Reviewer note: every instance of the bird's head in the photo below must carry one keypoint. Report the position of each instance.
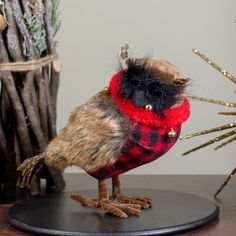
(154, 84)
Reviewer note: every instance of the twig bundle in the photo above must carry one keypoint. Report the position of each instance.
(27, 98)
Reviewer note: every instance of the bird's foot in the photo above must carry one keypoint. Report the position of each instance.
(85, 201)
(143, 202)
(117, 209)
(120, 210)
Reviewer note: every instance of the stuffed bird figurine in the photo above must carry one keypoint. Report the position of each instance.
(133, 121)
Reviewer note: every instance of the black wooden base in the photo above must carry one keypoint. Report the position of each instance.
(172, 212)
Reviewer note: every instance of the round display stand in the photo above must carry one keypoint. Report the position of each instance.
(171, 213)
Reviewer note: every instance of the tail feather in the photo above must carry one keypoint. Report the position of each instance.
(29, 168)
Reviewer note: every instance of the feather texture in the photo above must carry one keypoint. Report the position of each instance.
(142, 84)
(94, 136)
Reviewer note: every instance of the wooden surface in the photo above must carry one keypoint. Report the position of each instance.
(204, 186)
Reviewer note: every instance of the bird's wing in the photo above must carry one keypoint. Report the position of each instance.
(94, 136)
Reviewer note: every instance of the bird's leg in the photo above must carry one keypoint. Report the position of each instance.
(103, 201)
(120, 210)
(144, 202)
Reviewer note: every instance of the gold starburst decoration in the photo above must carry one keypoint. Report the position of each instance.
(225, 138)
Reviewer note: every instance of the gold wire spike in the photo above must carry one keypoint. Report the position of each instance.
(215, 66)
(231, 135)
(211, 141)
(215, 101)
(227, 113)
(225, 143)
(233, 172)
(207, 131)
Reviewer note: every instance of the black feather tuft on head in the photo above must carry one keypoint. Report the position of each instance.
(139, 84)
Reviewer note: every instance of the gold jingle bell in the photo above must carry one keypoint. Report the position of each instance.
(148, 107)
(106, 89)
(171, 133)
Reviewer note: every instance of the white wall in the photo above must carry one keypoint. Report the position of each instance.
(92, 32)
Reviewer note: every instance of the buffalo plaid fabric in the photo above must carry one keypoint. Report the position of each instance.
(146, 144)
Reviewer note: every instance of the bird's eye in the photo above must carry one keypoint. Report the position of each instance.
(135, 83)
(158, 94)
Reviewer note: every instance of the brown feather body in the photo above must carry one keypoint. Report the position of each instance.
(94, 136)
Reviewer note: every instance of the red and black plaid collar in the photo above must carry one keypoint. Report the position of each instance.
(174, 116)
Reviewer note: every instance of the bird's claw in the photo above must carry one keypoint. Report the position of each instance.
(144, 202)
(120, 210)
(90, 202)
